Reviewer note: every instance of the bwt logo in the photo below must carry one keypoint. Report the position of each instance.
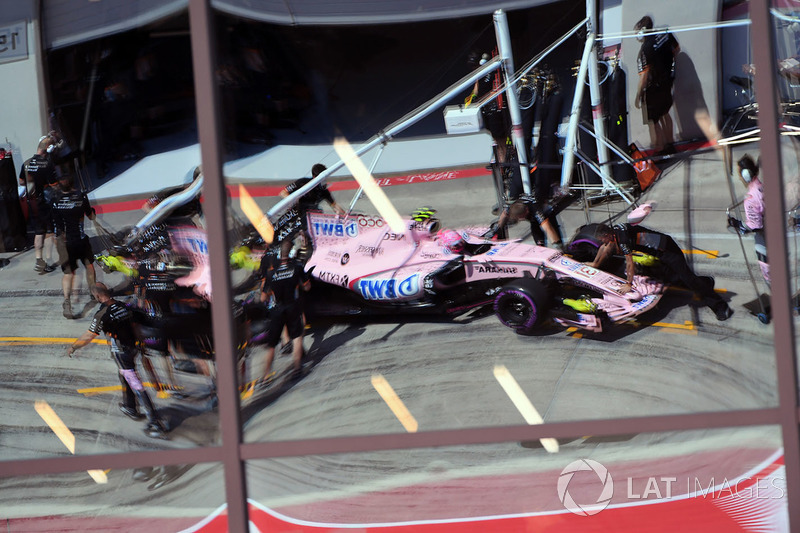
(388, 289)
(336, 229)
(585, 509)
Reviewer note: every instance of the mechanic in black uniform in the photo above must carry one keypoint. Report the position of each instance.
(115, 320)
(38, 174)
(626, 238)
(283, 284)
(69, 210)
(294, 220)
(540, 216)
(656, 66)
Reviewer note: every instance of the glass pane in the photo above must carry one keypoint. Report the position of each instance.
(163, 498)
(682, 481)
(409, 327)
(124, 130)
(787, 81)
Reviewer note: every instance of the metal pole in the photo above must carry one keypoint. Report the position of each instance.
(572, 130)
(596, 99)
(209, 128)
(775, 227)
(88, 111)
(504, 49)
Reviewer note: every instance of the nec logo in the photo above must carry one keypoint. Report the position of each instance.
(388, 289)
(336, 229)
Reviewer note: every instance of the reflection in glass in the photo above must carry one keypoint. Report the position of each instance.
(123, 126)
(669, 481)
(405, 329)
(161, 498)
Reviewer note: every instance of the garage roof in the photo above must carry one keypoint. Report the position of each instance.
(363, 11)
(68, 22)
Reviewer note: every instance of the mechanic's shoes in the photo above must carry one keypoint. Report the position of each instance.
(266, 381)
(46, 269)
(723, 312)
(66, 307)
(130, 412)
(156, 430)
(145, 474)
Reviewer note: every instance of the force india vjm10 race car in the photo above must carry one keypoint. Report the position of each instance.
(360, 266)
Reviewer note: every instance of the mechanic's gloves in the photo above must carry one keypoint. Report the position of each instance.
(736, 226)
(112, 263)
(240, 258)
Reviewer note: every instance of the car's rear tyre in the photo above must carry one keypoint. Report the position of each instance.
(522, 304)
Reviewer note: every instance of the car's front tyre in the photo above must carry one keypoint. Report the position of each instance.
(522, 304)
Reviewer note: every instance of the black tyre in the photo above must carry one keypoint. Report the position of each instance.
(522, 304)
(584, 245)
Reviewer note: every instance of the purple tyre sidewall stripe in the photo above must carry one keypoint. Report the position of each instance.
(531, 321)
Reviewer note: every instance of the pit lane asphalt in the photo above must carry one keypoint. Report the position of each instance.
(687, 362)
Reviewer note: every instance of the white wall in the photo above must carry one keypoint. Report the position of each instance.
(696, 77)
(23, 105)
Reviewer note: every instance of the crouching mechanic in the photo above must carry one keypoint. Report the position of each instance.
(116, 321)
(629, 238)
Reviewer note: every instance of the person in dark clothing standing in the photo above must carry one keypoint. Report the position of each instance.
(294, 220)
(38, 174)
(69, 210)
(628, 238)
(543, 221)
(656, 66)
(282, 285)
(115, 320)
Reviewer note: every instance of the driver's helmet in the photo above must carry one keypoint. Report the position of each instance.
(451, 240)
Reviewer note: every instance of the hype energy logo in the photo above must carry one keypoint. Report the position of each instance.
(585, 508)
(389, 289)
(336, 229)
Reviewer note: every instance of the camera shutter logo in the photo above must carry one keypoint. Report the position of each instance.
(585, 509)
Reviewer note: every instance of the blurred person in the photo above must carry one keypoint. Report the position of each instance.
(627, 238)
(656, 67)
(69, 210)
(294, 221)
(115, 320)
(319, 193)
(753, 203)
(38, 175)
(282, 285)
(544, 225)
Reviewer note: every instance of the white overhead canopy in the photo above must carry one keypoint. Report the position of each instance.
(68, 22)
(295, 12)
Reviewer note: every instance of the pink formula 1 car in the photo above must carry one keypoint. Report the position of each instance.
(360, 266)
